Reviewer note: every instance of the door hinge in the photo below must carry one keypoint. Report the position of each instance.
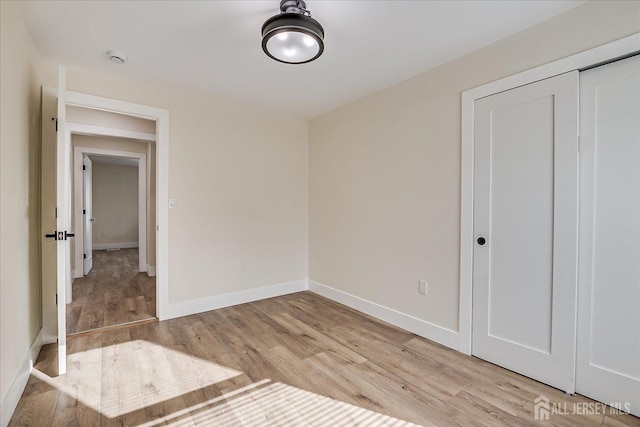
(56, 299)
(56, 120)
(84, 211)
(84, 256)
(84, 168)
(56, 212)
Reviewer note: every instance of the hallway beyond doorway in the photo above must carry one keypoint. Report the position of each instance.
(113, 293)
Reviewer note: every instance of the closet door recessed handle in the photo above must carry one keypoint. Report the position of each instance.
(481, 241)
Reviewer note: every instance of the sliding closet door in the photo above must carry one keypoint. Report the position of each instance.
(608, 363)
(525, 226)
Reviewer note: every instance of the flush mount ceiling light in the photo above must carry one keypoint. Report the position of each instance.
(117, 57)
(293, 36)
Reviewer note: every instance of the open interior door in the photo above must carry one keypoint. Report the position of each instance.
(87, 192)
(56, 209)
(63, 187)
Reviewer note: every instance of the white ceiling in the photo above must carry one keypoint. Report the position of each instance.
(214, 46)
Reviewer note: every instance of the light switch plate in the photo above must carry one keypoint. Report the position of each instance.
(423, 287)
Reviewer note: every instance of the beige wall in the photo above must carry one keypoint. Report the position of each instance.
(20, 313)
(115, 203)
(385, 170)
(239, 178)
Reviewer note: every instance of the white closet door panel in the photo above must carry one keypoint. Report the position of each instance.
(608, 365)
(525, 206)
(521, 204)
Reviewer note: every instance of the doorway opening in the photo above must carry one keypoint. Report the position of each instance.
(113, 262)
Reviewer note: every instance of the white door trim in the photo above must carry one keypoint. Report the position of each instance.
(161, 117)
(601, 54)
(91, 130)
(78, 153)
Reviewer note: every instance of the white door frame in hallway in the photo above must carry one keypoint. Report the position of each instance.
(78, 155)
(161, 117)
(86, 204)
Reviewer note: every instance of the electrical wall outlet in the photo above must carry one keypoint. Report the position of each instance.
(244, 267)
(104, 234)
(423, 287)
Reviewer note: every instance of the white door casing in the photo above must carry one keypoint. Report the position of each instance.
(87, 206)
(525, 206)
(608, 359)
(161, 117)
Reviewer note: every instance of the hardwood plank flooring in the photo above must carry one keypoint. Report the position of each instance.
(113, 293)
(295, 360)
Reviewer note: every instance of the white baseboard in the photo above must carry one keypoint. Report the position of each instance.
(425, 329)
(234, 298)
(48, 339)
(119, 245)
(151, 271)
(431, 331)
(11, 399)
(76, 274)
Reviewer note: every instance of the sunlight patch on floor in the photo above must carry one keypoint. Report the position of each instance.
(125, 377)
(269, 403)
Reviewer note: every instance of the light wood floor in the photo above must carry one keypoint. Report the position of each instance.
(296, 360)
(113, 292)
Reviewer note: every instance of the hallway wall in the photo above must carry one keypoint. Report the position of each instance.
(115, 204)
